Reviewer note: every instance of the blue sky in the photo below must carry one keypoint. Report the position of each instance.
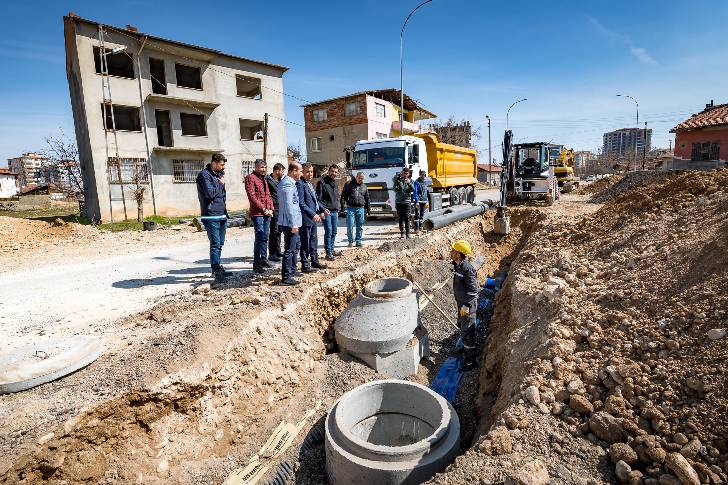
(464, 58)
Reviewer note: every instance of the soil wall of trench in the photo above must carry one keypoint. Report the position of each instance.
(242, 359)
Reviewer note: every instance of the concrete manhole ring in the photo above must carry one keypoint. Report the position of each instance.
(390, 432)
(36, 364)
(388, 288)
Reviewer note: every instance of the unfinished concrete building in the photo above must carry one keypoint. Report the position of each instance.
(150, 112)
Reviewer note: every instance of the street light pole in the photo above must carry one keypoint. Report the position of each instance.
(401, 68)
(637, 105)
(490, 148)
(509, 109)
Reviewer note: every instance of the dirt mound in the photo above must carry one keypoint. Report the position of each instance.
(618, 186)
(614, 330)
(600, 185)
(24, 234)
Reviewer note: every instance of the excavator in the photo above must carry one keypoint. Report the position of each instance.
(564, 171)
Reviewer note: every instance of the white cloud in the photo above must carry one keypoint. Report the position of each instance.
(641, 54)
(619, 38)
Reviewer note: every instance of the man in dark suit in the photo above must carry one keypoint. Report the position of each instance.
(311, 212)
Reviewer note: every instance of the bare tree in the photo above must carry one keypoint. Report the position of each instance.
(295, 151)
(460, 133)
(63, 155)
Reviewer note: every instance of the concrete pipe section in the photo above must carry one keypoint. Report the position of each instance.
(381, 327)
(390, 432)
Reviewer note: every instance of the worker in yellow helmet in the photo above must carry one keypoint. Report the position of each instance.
(465, 288)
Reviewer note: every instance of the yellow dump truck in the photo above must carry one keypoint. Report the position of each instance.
(451, 170)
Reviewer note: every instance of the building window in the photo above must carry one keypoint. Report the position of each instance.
(705, 151)
(381, 135)
(119, 64)
(380, 110)
(248, 167)
(251, 130)
(248, 87)
(351, 108)
(127, 170)
(193, 125)
(185, 171)
(126, 118)
(159, 79)
(319, 114)
(188, 76)
(316, 144)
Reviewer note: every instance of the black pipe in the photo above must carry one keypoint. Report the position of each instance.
(447, 219)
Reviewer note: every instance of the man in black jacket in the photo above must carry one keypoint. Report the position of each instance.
(274, 238)
(465, 289)
(211, 194)
(355, 196)
(327, 192)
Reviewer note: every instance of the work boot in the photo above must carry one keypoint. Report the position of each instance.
(221, 273)
(318, 265)
(359, 244)
(258, 269)
(330, 257)
(309, 269)
(274, 258)
(289, 282)
(266, 264)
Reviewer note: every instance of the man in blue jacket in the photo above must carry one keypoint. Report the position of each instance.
(311, 212)
(211, 194)
(419, 197)
(289, 221)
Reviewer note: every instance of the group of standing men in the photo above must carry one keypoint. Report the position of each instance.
(410, 195)
(283, 206)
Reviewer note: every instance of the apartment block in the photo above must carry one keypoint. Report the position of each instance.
(334, 124)
(166, 107)
(626, 142)
(29, 168)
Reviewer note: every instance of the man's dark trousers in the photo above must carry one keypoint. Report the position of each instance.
(261, 226)
(216, 229)
(468, 335)
(274, 238)
(291, 243)
(403, 211)
(309, 246)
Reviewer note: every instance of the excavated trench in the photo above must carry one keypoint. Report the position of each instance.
(211, 412)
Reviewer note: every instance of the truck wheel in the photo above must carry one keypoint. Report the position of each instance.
(469, 194)
(549, 200)
(463, 195)
(454, 197)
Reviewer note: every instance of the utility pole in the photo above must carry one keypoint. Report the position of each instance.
(265, 138)
(490, 149)
(644, 146)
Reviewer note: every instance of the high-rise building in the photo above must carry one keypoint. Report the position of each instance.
(29, 167)
(627, 143)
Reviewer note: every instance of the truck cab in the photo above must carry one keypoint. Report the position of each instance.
(380, 160)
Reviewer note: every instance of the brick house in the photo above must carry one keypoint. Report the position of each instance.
(334, 124)
(702, 139)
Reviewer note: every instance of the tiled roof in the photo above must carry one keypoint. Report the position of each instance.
(714, 116)
(6, 171)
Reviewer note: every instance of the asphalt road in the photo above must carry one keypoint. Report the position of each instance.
(88, 296)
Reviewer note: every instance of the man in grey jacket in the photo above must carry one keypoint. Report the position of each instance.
(465, 289)
(289, 221)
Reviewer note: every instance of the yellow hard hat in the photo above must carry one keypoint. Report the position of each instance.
(462, 246)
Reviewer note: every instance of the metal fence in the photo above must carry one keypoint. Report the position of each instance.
(127, 170)
(185, 171)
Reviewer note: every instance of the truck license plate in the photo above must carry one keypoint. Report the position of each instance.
(377, 209)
